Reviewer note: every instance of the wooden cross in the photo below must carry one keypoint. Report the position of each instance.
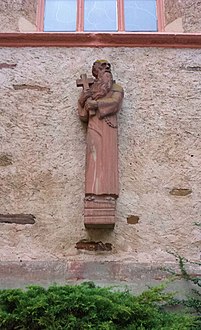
(84, 82)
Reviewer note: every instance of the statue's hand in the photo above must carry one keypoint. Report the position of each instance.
(91, 105)
(84, 96)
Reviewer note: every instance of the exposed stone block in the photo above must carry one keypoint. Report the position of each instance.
(132, 219)
(93, 246)
(5, 159)
(21, 219)
(180, 192)
(31, 87)
(7, 66)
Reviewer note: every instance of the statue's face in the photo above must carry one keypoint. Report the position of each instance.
(99, 68)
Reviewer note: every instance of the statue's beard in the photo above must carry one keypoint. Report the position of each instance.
(102, 86)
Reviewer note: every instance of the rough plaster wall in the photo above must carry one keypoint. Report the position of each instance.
(18, 15)
(43, 142)
(192, 16)
(173, 10)
(183, 16)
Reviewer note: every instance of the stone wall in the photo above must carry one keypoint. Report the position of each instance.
(180, 15)
(42, 155)
(18, 15)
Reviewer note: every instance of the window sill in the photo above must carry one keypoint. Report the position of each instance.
(54, 39)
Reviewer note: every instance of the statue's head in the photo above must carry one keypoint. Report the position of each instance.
(100, 67)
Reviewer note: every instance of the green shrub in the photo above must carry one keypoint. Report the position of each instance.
(191, 302)
(88, 307)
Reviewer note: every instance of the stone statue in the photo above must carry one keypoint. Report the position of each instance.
(98, 105)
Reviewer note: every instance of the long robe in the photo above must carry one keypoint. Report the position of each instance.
(101, 176)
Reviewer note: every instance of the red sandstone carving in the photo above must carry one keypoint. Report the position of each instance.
(98, 105)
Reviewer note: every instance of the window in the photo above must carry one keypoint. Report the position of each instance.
(100, 15)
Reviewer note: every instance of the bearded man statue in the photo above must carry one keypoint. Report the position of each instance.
(98, 106)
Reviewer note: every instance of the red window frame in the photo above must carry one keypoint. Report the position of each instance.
(80, 16)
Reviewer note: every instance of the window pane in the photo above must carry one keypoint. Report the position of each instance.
(100, 15)
(60, 15)
(140, 15)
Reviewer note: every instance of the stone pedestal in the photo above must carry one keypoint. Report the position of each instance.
(99, 212)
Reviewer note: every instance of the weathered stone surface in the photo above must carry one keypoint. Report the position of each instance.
(159, 131)
(182, 16)
(173, 11)
(18, 15)
(99, 212)
(133, 276)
